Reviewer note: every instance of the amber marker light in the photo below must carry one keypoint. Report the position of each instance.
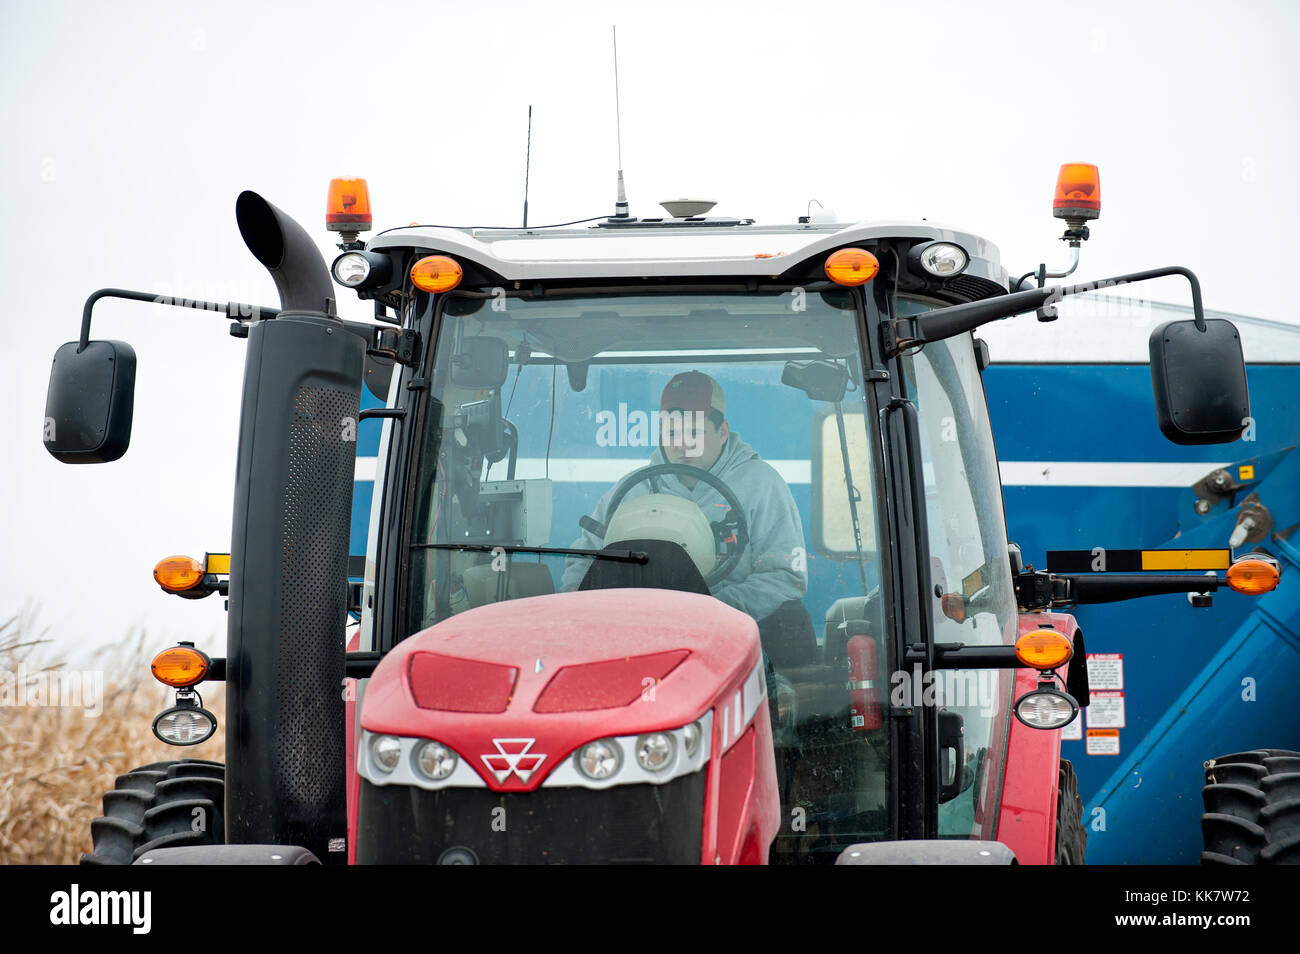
(1078, 191)
(852, 266)
(176, 574)
(436, 273)
(347, 209)
(1043, 649)
(180, 666)
(1253, 574)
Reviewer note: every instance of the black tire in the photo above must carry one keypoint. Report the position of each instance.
(156, 806)
(1252, 809)
(1071, 838)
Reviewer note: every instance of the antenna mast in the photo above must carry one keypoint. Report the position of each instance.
(528, 155)
(620, 204)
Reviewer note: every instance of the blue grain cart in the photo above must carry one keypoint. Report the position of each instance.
(1174, 684)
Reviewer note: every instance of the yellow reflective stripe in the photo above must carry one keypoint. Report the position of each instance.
(1186, 559)
(218, 563)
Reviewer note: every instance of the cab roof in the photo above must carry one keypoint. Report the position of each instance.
(673, 247)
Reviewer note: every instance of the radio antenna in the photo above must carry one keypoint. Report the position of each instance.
(528, 155)
(620, 204)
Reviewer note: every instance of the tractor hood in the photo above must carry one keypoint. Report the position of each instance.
(561, 670)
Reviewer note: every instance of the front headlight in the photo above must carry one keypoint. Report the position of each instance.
(600, 760)
(692, 735)
(386, 751)
(435, 761)
(654, 752)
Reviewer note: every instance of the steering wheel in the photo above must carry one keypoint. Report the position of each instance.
(734, 521)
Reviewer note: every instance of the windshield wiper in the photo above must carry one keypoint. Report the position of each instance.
(622, 556)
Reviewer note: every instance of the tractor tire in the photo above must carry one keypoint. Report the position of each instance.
(161, 805)
(1071, 839)
(1252, 809)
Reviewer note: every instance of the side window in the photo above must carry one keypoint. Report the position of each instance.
(971, 598)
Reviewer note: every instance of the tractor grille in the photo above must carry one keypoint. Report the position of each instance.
(624, 824)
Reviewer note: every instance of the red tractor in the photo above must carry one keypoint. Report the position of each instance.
(595, 624)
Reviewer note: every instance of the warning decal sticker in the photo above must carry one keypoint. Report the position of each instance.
(1106, 710)
(1105, 671)
(1074, 731)
(1103, 742)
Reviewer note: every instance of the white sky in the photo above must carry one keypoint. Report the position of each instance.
(129, 129)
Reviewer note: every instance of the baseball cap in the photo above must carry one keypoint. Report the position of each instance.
(693, 391)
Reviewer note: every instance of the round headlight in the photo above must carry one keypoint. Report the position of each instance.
(943, 259)
(1046, 709)
(692, 735)
(185, 725)
(654, 752)
(386, 750)
(351, 269)
(600, 760)
(435, 761)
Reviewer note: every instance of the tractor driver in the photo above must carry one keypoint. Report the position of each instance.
(771, 577)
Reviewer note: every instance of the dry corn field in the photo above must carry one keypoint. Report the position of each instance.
(56, 761)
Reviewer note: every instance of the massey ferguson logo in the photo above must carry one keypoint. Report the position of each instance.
(513, 756)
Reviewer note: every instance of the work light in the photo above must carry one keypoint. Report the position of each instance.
(184, 725)
(1046, 709)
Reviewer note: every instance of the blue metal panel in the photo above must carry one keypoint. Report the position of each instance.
(1182, 666)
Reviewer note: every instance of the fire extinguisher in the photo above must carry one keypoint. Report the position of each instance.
(864, 695)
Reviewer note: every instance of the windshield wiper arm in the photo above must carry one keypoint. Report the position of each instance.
(622, 556)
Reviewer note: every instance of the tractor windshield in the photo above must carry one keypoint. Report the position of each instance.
(726, 435)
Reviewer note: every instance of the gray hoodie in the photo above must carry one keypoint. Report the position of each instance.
(766, 576)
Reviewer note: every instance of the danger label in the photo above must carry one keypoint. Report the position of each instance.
(1105, 671)
(1102, 742)
(1074, 731)
(1106, 710)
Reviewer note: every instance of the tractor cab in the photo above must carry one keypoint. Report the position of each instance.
(686, 544)
(726, 436)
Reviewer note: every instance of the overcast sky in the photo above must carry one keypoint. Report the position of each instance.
(130, 128)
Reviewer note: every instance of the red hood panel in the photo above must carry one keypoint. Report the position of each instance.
(607, 685)
(696, 651)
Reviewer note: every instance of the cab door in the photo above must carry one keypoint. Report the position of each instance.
(969, 598)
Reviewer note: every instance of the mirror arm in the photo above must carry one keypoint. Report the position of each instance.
(959, 319)
(232, 309)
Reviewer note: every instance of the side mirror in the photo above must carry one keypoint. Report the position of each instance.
(89, 404)
(480, 363)
(1199, 381)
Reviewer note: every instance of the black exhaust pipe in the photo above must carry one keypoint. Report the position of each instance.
(288, 252)
(289, 553)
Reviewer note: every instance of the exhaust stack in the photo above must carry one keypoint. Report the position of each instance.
(288, 252)
(289, 553)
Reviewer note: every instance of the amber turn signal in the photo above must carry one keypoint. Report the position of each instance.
(1043, 649)
(1253, 575)
(176, 574)
(436, 273)
(180, 666)
(852, 266)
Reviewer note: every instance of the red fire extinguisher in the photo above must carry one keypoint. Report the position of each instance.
(864, 695)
